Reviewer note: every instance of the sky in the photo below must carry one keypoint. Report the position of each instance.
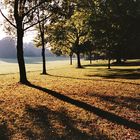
(28, 36)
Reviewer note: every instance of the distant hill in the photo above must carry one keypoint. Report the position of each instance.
(8, 49)
(31, 51)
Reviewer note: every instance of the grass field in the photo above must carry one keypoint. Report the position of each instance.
(8, 66)
(71, 104)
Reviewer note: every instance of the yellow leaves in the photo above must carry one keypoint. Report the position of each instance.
(32, 112)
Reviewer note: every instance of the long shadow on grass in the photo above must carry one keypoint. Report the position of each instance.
(135, 63)
(118, 73)
(104, 114)
(3, 131)
(106, 80)
(76, 78)
(58, 125)
(95, 65)
(129, 102)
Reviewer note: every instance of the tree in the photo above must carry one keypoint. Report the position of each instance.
(20, 14)
(55, 12)
(128, 34)
(115, 26)
(40, 38)
(71, 33)
(57, 35)
(88, 48)
(58, 41)
(64, 49)
(40, 41)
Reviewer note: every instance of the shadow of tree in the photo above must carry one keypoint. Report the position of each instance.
(129, 102)
(76, 78)
(134, 63)
(100, 112)
(127, 63)
(95, 65)
(4, 131)
(106, 80)
(118, 73)
(57, 125)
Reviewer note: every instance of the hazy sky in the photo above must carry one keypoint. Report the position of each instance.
(28, 37)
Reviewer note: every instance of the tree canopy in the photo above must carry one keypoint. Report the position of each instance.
(71, 26)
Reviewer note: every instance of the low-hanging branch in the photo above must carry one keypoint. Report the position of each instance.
(7, 19)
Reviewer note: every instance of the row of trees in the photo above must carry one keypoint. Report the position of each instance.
(106, 27)
(23, 15)
(116, 29)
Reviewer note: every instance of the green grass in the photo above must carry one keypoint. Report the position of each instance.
(10, 66)
(128, 71)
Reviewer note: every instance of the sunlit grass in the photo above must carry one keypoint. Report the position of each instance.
(30, 113)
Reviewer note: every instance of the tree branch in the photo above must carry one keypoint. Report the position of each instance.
(71, 36)
(33, 8)
(7, 19)
(37, 22)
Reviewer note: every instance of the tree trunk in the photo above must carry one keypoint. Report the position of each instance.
(119, 55)
(43, 55)
(20, 55)
(118, 60)
(109, 63)
(78, 52)
(78, 60)
(109, 59)
(90, 57)
(70, 59)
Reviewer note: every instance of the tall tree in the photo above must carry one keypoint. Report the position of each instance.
(40, 41)
(72, 32)
(115, 26)
(20, 14)
(41, 38)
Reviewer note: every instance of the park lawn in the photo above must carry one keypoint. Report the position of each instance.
(72, 104)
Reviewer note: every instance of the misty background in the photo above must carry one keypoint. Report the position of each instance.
(8, 49)
(32, 57)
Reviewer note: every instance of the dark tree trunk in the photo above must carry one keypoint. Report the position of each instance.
(78, 52)
(78, 60)
(118, 60)
(119, 55)
(90, 57)
(70, 59)
(20, 54)
(109, 65)
(43, 55)
(109, 59)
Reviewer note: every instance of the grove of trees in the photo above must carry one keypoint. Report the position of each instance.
(109, 28)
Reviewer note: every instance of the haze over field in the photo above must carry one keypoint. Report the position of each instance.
(8, 49)
(8, 60)
(32, 64)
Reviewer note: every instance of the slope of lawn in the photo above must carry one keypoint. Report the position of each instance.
(72, 104)
(32, 64)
